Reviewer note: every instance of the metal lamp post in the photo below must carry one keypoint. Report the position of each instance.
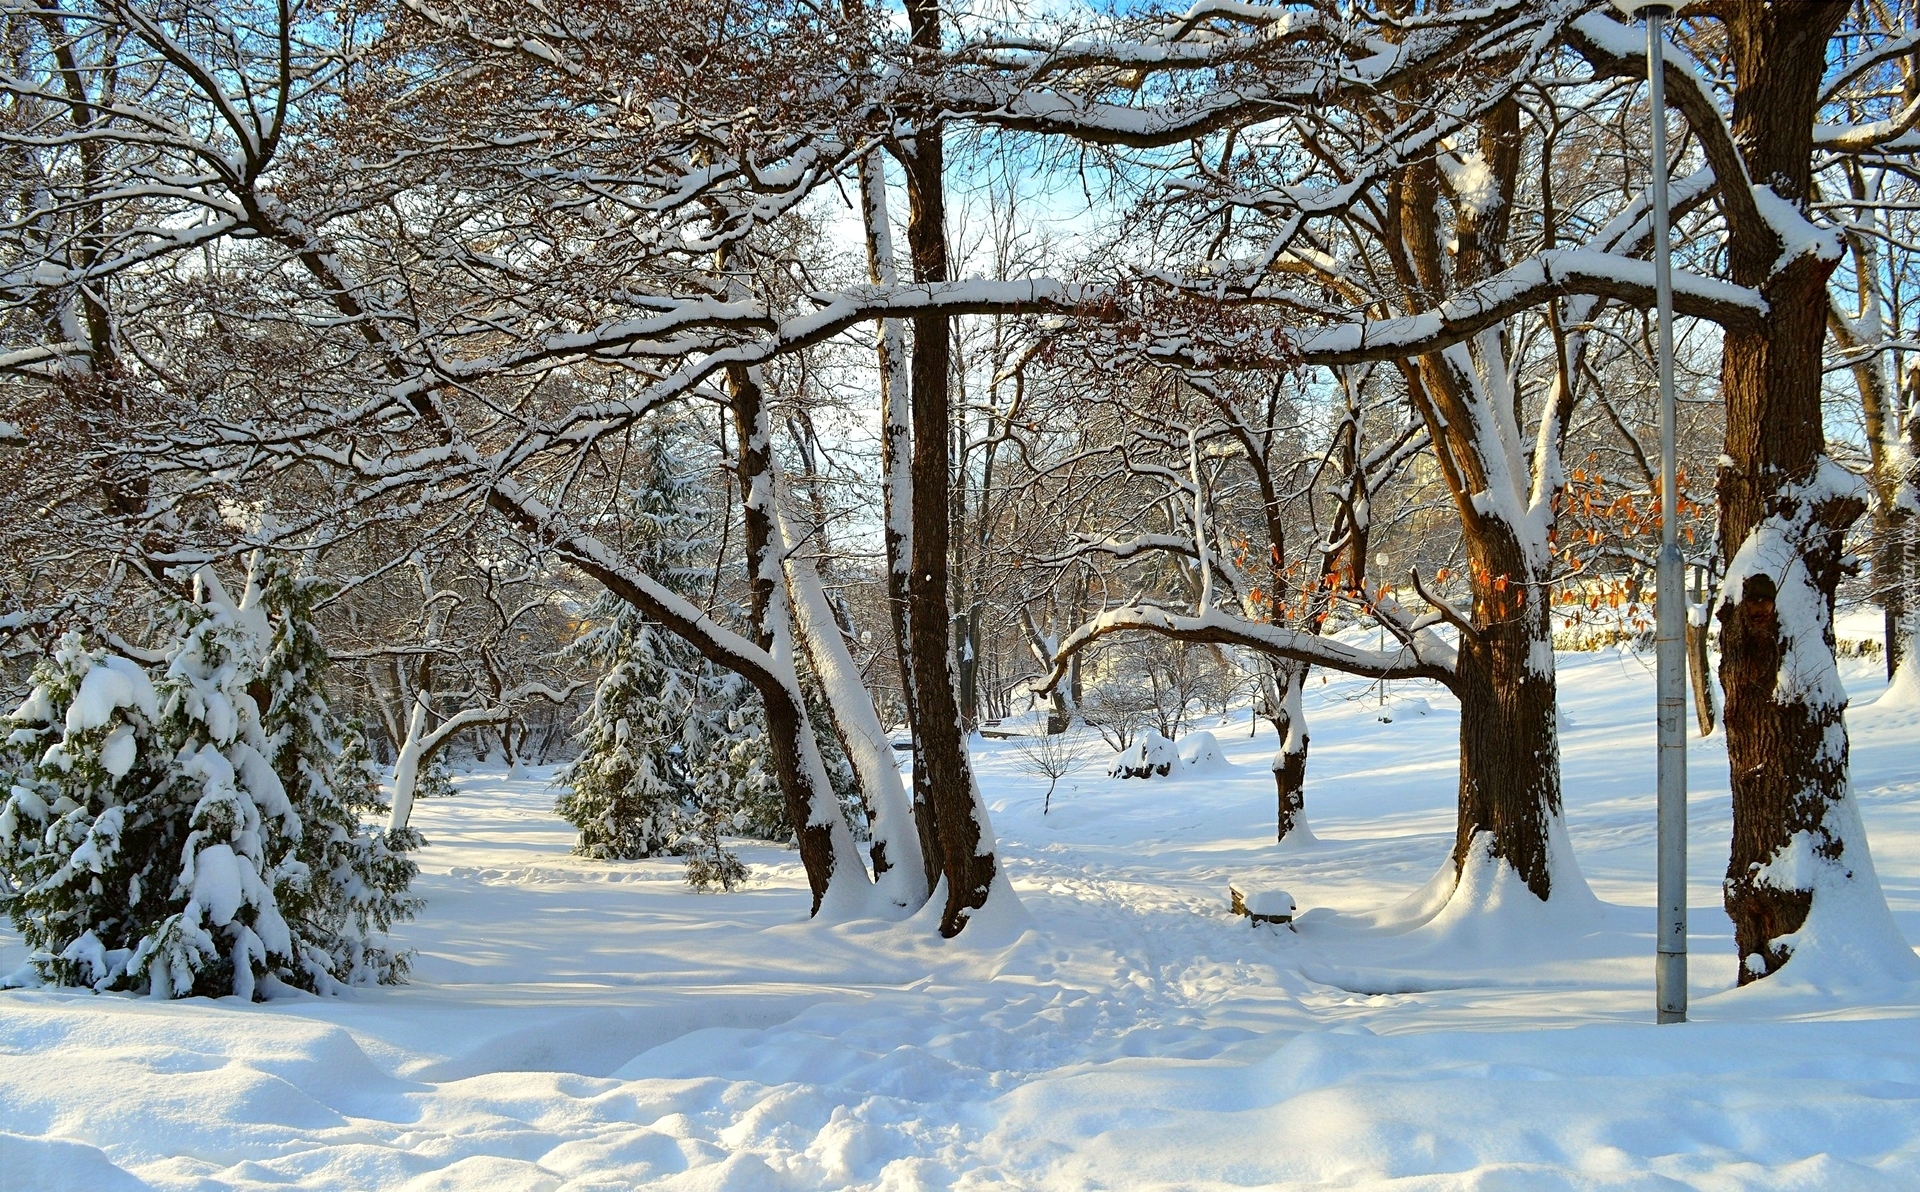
(1670, 960)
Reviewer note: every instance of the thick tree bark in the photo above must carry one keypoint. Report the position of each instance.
(1509, 727)
(1782, 517)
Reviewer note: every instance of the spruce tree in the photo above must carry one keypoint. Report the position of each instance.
(86, 821)
(146, 832)
(628, 789)
(673, 752)
(161, 834)
(224, 928)
(629, 792)
(347, 882)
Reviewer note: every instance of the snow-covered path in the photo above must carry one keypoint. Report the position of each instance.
(579, 1025)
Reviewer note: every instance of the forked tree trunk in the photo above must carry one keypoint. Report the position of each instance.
(896, 487)
(798, 771)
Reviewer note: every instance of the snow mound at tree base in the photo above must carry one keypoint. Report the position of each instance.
(1301, 839)
(1904, 691)
(1849, 947)
(1474, 932)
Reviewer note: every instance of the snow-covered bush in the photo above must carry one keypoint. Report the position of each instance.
(1150, 756)
(87, 823)
(149, 840)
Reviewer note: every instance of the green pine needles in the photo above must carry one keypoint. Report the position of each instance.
(163, 833)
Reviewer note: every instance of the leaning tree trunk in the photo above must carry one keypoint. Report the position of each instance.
(826, 843)
(897, 869)
(965, 844)
(1700, 676)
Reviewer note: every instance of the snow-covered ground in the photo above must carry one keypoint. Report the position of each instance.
(578, 1025)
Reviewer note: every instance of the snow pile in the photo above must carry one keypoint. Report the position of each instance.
(1150, 756)
(1200, 753)
(1154, 756)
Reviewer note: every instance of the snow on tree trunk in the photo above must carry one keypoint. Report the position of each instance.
(896, 487)
(1290, 763)
(827, 849)
(1509, 735)
(899, 873)
(406, 766)
(1799, 877)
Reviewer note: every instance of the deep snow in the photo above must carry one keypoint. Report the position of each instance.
(581, 1025)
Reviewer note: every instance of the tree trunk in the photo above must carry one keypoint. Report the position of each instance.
(1290, 763)
(406, 767)
(965, 845)
(897, 868)
(1782, 512)
(1509, 727)
(896, 487)
(798, 771)
(1700, 674)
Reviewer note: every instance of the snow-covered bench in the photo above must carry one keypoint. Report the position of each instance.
(1263, 904)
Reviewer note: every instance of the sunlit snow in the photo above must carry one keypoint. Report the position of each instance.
(582, 1025)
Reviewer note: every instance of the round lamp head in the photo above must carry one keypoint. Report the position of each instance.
(1641, 9)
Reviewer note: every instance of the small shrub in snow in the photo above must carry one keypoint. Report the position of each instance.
(1150, 756)
(1051, 756)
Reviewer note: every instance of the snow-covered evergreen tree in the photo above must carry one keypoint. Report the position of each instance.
(732, 792)
(673, 752)
(225, 928)
(628, 789)
(161, 834)
(86, 822)
(144, 841)
(347, 884)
